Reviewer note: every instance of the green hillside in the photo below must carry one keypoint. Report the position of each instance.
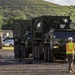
(27, 9)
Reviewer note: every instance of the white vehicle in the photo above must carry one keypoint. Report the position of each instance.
(8, 42)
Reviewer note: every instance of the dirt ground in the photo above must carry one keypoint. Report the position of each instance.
(12, 68)
(4, 54)
(30, 66)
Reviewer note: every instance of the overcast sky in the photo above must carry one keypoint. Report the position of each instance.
(62, 2)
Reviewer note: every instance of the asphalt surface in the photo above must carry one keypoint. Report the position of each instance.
(11, 66)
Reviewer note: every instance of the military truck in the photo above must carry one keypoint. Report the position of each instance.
(50, 34)
(22, 38)
(59, 42)
(45, 37)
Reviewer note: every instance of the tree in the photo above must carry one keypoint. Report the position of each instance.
(1, 21)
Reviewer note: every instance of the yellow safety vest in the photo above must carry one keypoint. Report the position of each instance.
(70, 48)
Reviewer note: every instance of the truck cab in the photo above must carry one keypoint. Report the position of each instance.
(59, 42)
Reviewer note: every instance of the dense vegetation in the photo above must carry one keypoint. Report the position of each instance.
(27, 9)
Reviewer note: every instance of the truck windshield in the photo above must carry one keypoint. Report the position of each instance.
(64, 34)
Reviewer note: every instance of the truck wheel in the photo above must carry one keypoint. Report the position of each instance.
(10, 45)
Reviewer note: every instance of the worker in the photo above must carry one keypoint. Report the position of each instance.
(70, 46)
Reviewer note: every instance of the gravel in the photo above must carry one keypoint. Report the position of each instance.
(32, 67)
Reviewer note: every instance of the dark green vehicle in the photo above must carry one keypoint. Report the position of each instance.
(59, 42)
(50, 34)
(22, 38)
(45, 37)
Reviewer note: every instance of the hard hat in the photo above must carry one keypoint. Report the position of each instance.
(70, 38)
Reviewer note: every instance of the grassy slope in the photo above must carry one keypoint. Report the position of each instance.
(33, 8)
